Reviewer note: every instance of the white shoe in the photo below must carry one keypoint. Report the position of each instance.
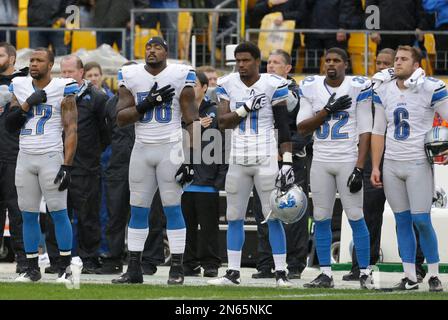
(282, 280)
(231, 278)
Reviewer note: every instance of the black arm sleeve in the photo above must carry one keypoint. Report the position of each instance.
(281, 122)
(15, 119)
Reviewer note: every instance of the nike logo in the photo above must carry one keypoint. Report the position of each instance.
(410, 287)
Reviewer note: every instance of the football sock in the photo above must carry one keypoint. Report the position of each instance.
(327, 271)
(235, 235)
(279, 261)
(175, 229)
(409, 271)
(277, 237)
(428, 237)
(234, 259)
(406, 237)
(138, 228)
(323, 237)
(63, 230)
(433, 269)
(361, 240)
(31, 233)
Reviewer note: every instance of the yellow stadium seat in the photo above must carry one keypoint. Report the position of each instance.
(142, 35)
(268, 41)
(356, 49)
(23, 36)
(184, 26)
(83, 40)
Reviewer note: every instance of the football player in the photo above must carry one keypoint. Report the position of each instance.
(154, 96)
(43, 107)
(249, 104)
(337, 109)
(405, 106)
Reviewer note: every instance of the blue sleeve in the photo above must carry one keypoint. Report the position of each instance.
(11, 88)
(365, 94)
(222, 93)
(439, 95)
(376, 99)
(281, 93)
(191, 78)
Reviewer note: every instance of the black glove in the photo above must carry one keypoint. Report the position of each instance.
(285, 177)
(63, 177)
(39, 96)
(184, 174)
(341, 103)
(355, 180)
(155, 98)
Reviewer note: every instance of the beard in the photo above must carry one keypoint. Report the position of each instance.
(4, 67)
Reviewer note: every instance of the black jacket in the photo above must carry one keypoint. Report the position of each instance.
(291, 10)
(43, 13)
(92, 130)
(122, 141)
(210, 174)
(400, 14)
(331, 14)
(298, 141)
(9, 143)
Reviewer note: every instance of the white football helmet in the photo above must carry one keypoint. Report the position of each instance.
(288, 206)
(436, 141)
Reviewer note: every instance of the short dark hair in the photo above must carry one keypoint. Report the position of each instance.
(9, 48)
(280, 52)
(250, 47)
(388, 51)
(341, 52)
(50, 53)
(202, 78)
(90, 65)
(415, 52)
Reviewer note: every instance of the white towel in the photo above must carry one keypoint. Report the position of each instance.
(416, 79)
(5, 95)
(383, 76)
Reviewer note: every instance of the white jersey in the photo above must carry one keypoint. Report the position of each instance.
(254, 138)
(409, 115)
(42, 131)
(336, 140)
(161, 124)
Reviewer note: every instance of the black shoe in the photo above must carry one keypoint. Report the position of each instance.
(351, 276)
(176, 275)
(294, 274)
(21, 267)
(52, 269)
(282, 280)
(435, 285)
(129, 277)
(365, 281)
(31, 275)
(149, 269)
(90, 266)
(263, 274)
(210, 272)
(420, 278)
(232, 277)
(405, 284)
(110, 268)
(192, 272)
(322, 281)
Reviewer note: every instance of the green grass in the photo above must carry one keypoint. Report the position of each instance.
(47, 291)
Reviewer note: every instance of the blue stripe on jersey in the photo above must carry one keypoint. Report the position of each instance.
(300, 93)
(439, 96)
(71, 88)
(120, 75)
(365, 95)
(280, 93)
(221, 92)
(376, 99)
(11, 87)
(191, 77)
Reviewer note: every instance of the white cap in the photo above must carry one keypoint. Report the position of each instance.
(230, 54)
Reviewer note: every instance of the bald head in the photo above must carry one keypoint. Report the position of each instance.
(72, 67)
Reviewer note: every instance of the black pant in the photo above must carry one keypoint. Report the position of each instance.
(117, 200)
(393, 41)
(8, 196)
(297, 235)
(202, 246)
(315, 47)
(83, 204)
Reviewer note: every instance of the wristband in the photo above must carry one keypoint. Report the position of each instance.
(241, 112)
(287, 157)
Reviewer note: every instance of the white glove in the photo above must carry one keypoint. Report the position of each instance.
(5, 96)
(255, 102)
(383, 76)
(416, 79)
